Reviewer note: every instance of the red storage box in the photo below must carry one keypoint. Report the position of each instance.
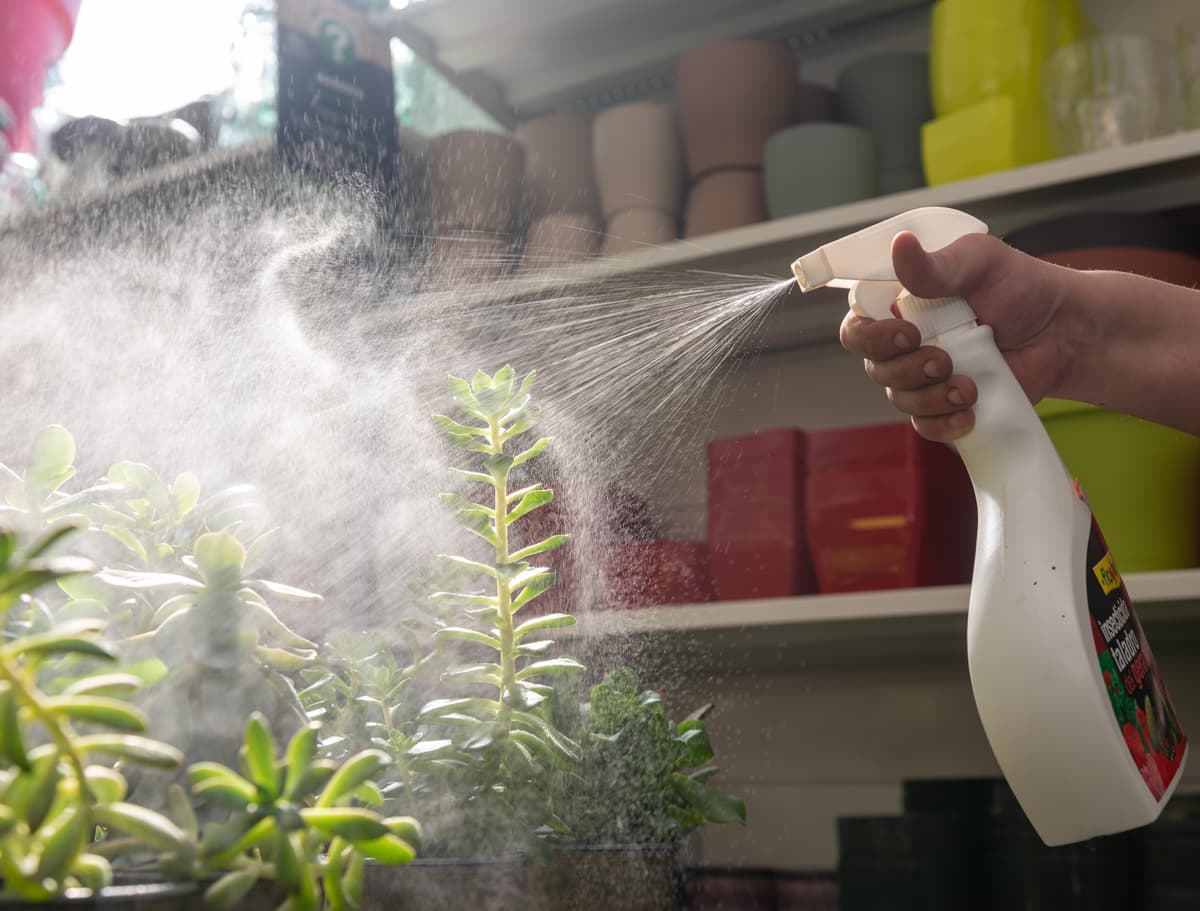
(756, 516)
(887, 508)
(653, 573)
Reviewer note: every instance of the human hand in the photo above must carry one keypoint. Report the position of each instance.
(1017, 295)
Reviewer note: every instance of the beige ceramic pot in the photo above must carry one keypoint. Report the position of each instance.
(553, 240)
(638, 229)
(639, 158)
(559, 177)
(732, 96)
(725, 200)
(475, 179)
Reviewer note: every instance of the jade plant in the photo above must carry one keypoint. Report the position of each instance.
(53, 794)
(640, 778)
(499, 717)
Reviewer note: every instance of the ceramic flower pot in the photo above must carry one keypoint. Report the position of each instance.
(818, 165)
(475, 179)
(559, 177)
(725, 200)
(815, 103)
(495, 884)
(888, 95)
(637, 229)
(553, 240)
(628, 877)
(732, 96)
(639, 159)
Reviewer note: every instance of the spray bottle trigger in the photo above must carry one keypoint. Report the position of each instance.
(874, 299)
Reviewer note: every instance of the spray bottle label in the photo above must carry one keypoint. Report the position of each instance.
(1139, 699)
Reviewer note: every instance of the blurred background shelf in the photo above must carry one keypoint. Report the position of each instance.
(925, 624)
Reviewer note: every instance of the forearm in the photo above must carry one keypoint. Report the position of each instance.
(1132, 345)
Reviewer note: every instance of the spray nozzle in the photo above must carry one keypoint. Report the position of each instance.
(862, 262)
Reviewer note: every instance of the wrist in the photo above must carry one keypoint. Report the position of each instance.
(1079, 326)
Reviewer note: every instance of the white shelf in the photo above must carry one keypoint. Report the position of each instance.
(878, 625)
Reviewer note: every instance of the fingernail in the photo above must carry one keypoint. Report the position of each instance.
(902, 340)
(954, 396)
(932, 370)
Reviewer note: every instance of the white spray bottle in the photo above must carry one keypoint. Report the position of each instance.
(1064, 679)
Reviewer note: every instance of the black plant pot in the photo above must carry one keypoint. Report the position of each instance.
(472, 884)
(628, 877)
(129, 897)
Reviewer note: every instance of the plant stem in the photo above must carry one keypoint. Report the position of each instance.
(57, 730)
(508, 679)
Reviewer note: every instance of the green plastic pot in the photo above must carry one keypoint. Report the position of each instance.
(1143, 481)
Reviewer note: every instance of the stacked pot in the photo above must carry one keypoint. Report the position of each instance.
(475, 185)
(560, 187)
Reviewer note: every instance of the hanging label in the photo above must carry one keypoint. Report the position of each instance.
(1139, 699)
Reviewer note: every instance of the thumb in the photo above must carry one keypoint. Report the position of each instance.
(958, 269)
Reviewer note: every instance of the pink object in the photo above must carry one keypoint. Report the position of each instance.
(33, 34)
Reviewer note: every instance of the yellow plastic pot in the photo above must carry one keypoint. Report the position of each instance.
(994, 135)
(1143, 481)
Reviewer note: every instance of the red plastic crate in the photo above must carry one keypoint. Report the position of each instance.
(886, 508)
(756, 534)
(652, 573)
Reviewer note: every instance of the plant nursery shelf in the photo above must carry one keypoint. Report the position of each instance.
(820, 630)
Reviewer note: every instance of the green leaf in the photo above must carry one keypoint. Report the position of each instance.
(52, 455)
(137, 581)
(533, 589)
(101, 710)
(141, 750)
(283, 660)
(427, 747)
(388, 850)
(181, 812)
(470, 564)
(353, 772)
(537, 725)
(541, 646)
(404, 827)
(461, 390)
(287, 862)
(258, 753)
(438, 709)
(463, 634)
(170, 608)
(526, 574)
(61, 840)
(225, 844)
(136, 475)
(301, 751)
(115, 686)
(236, 794)
(533, 451)
(527, 383)
(369, 793)
(463, 599)
(12, 744)
(546, 621)
(270, 625)
(477, 477)
(186, 493)
(504, 380)
(286, 592)
(475, 673)
(220, 557)
(107, 785)
(531, 501)
(498, 466)
(548, 667)
(227, 892)
(715, 806)
(481, 381)
(93, 871)
(43, 544)
(125, 538)
(152, 829)
(350, 823)
(66, 639)
(31, 793)
(522, 421)
(457, 429)
(551, 543)
(697, 748)
(8, 546)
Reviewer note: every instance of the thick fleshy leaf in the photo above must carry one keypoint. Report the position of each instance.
(546, 621)
(270, 625)
(61, 839)
(181, 813)
(460, 633)
(152, 829)
(428, 747)
(438, 709)
(476, 477)
(186, 492)
(464, 396)
(715, 806)
(301, 751)
(353, 772)
(549, 666)
(117, 686)
(284, 660)
(475, 673)
(389, 850)
(470, 564)
(126, 539)
(220, 557)
(12, 742)
(107, 785)
(498, 466)
(533, 589)
(138, 581)
(100, 710)
(694, 736)
(541, 547)
(533, 451)
(535, 648)
(93, 871)
(227, 892)
(286, 592)
(535, 724)
(454, 427)
(52, 455)
(350, 823)
(141, 750)
(258, 753)
(464, 599)
(531, 501)
(526, 575)
(60, 641)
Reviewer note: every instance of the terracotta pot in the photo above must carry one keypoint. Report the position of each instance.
(636, 229)
(556, 239)
(639, 159)
(559, 177)
(655, 573)
(727, 199)
(462, 258)
(475, 179)
(732, 96)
